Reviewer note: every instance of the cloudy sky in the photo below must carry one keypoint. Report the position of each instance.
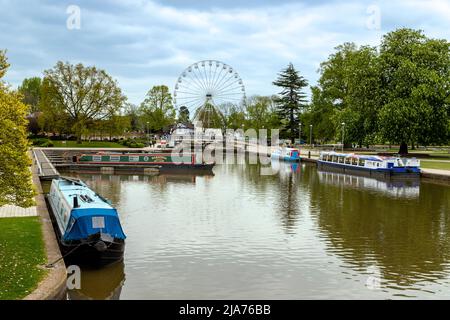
(142, 43)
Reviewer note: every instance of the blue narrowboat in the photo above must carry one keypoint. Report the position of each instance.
(286, 154)
(88, 226)
(373, 165)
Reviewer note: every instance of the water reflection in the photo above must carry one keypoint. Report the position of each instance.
(298, 233)
(103, 284)
(402, 227)
(392, 188)
(288, 206)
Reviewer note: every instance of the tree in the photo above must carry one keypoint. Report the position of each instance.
(117, 124)
(347, 92)
(292, 99)
(157, 109)
(83, 94)
(184, 115)
(320, 114)
(261, 113)
(415, 78)
(132, 112)
(3, 64)
(31, 92)
(15, 175)
(210, 116)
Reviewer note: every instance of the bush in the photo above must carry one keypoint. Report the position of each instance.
(42, 142)
(47, 144)
(133, 143)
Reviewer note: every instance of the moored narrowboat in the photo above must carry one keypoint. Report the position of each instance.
(373, 165)
(88, 226)
(164, 161)
(286, 154)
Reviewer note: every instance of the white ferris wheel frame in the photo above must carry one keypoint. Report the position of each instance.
(208, 81)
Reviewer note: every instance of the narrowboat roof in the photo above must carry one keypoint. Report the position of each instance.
(87, 199)
(352, 155)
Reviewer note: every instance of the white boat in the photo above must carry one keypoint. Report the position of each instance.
(387, 166)
(88, 226)
(286, 154)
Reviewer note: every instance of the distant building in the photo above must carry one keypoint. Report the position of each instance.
(181, 131)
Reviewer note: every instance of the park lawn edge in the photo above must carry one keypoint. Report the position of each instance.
(22, 257)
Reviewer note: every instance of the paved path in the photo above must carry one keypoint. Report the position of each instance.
(44, 166)
(445, 173)
(17, 212)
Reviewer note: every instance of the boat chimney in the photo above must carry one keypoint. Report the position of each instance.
(75, 202)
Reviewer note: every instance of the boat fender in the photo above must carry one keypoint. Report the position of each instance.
(100, 246)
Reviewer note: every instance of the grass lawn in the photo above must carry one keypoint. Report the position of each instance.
(435, 165)
(87, 144)
(21, 252)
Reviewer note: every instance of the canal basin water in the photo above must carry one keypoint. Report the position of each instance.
(297, 234)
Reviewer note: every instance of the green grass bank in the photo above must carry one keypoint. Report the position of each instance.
(22, 254)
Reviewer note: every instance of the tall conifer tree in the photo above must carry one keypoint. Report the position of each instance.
(291, 100)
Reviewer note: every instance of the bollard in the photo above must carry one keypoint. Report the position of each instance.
(309, 154)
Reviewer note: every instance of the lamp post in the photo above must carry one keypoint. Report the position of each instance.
(343, 134)
(310, 134)
(148, 134)
(300, 134)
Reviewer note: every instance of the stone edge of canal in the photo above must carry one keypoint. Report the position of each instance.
(53, 286)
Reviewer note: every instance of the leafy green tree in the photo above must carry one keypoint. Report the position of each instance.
(52, 120)
(31, 92)
(292, 99)
(415, 77)
(320, 114)
(3, 64)
(15, 175)
(157, 109)
(83, 94)
(132, 112)
(347, 92)
(233, 116)
(262, 113)
(184, 115)
(210, 116)
(113, 126)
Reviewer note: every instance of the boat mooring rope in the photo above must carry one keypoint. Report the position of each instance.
(51, 265)
(89, 243)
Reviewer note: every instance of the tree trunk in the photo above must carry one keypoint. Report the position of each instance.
(403, 148)
(413, 147)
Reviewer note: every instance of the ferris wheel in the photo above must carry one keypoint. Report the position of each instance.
(207, 85)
